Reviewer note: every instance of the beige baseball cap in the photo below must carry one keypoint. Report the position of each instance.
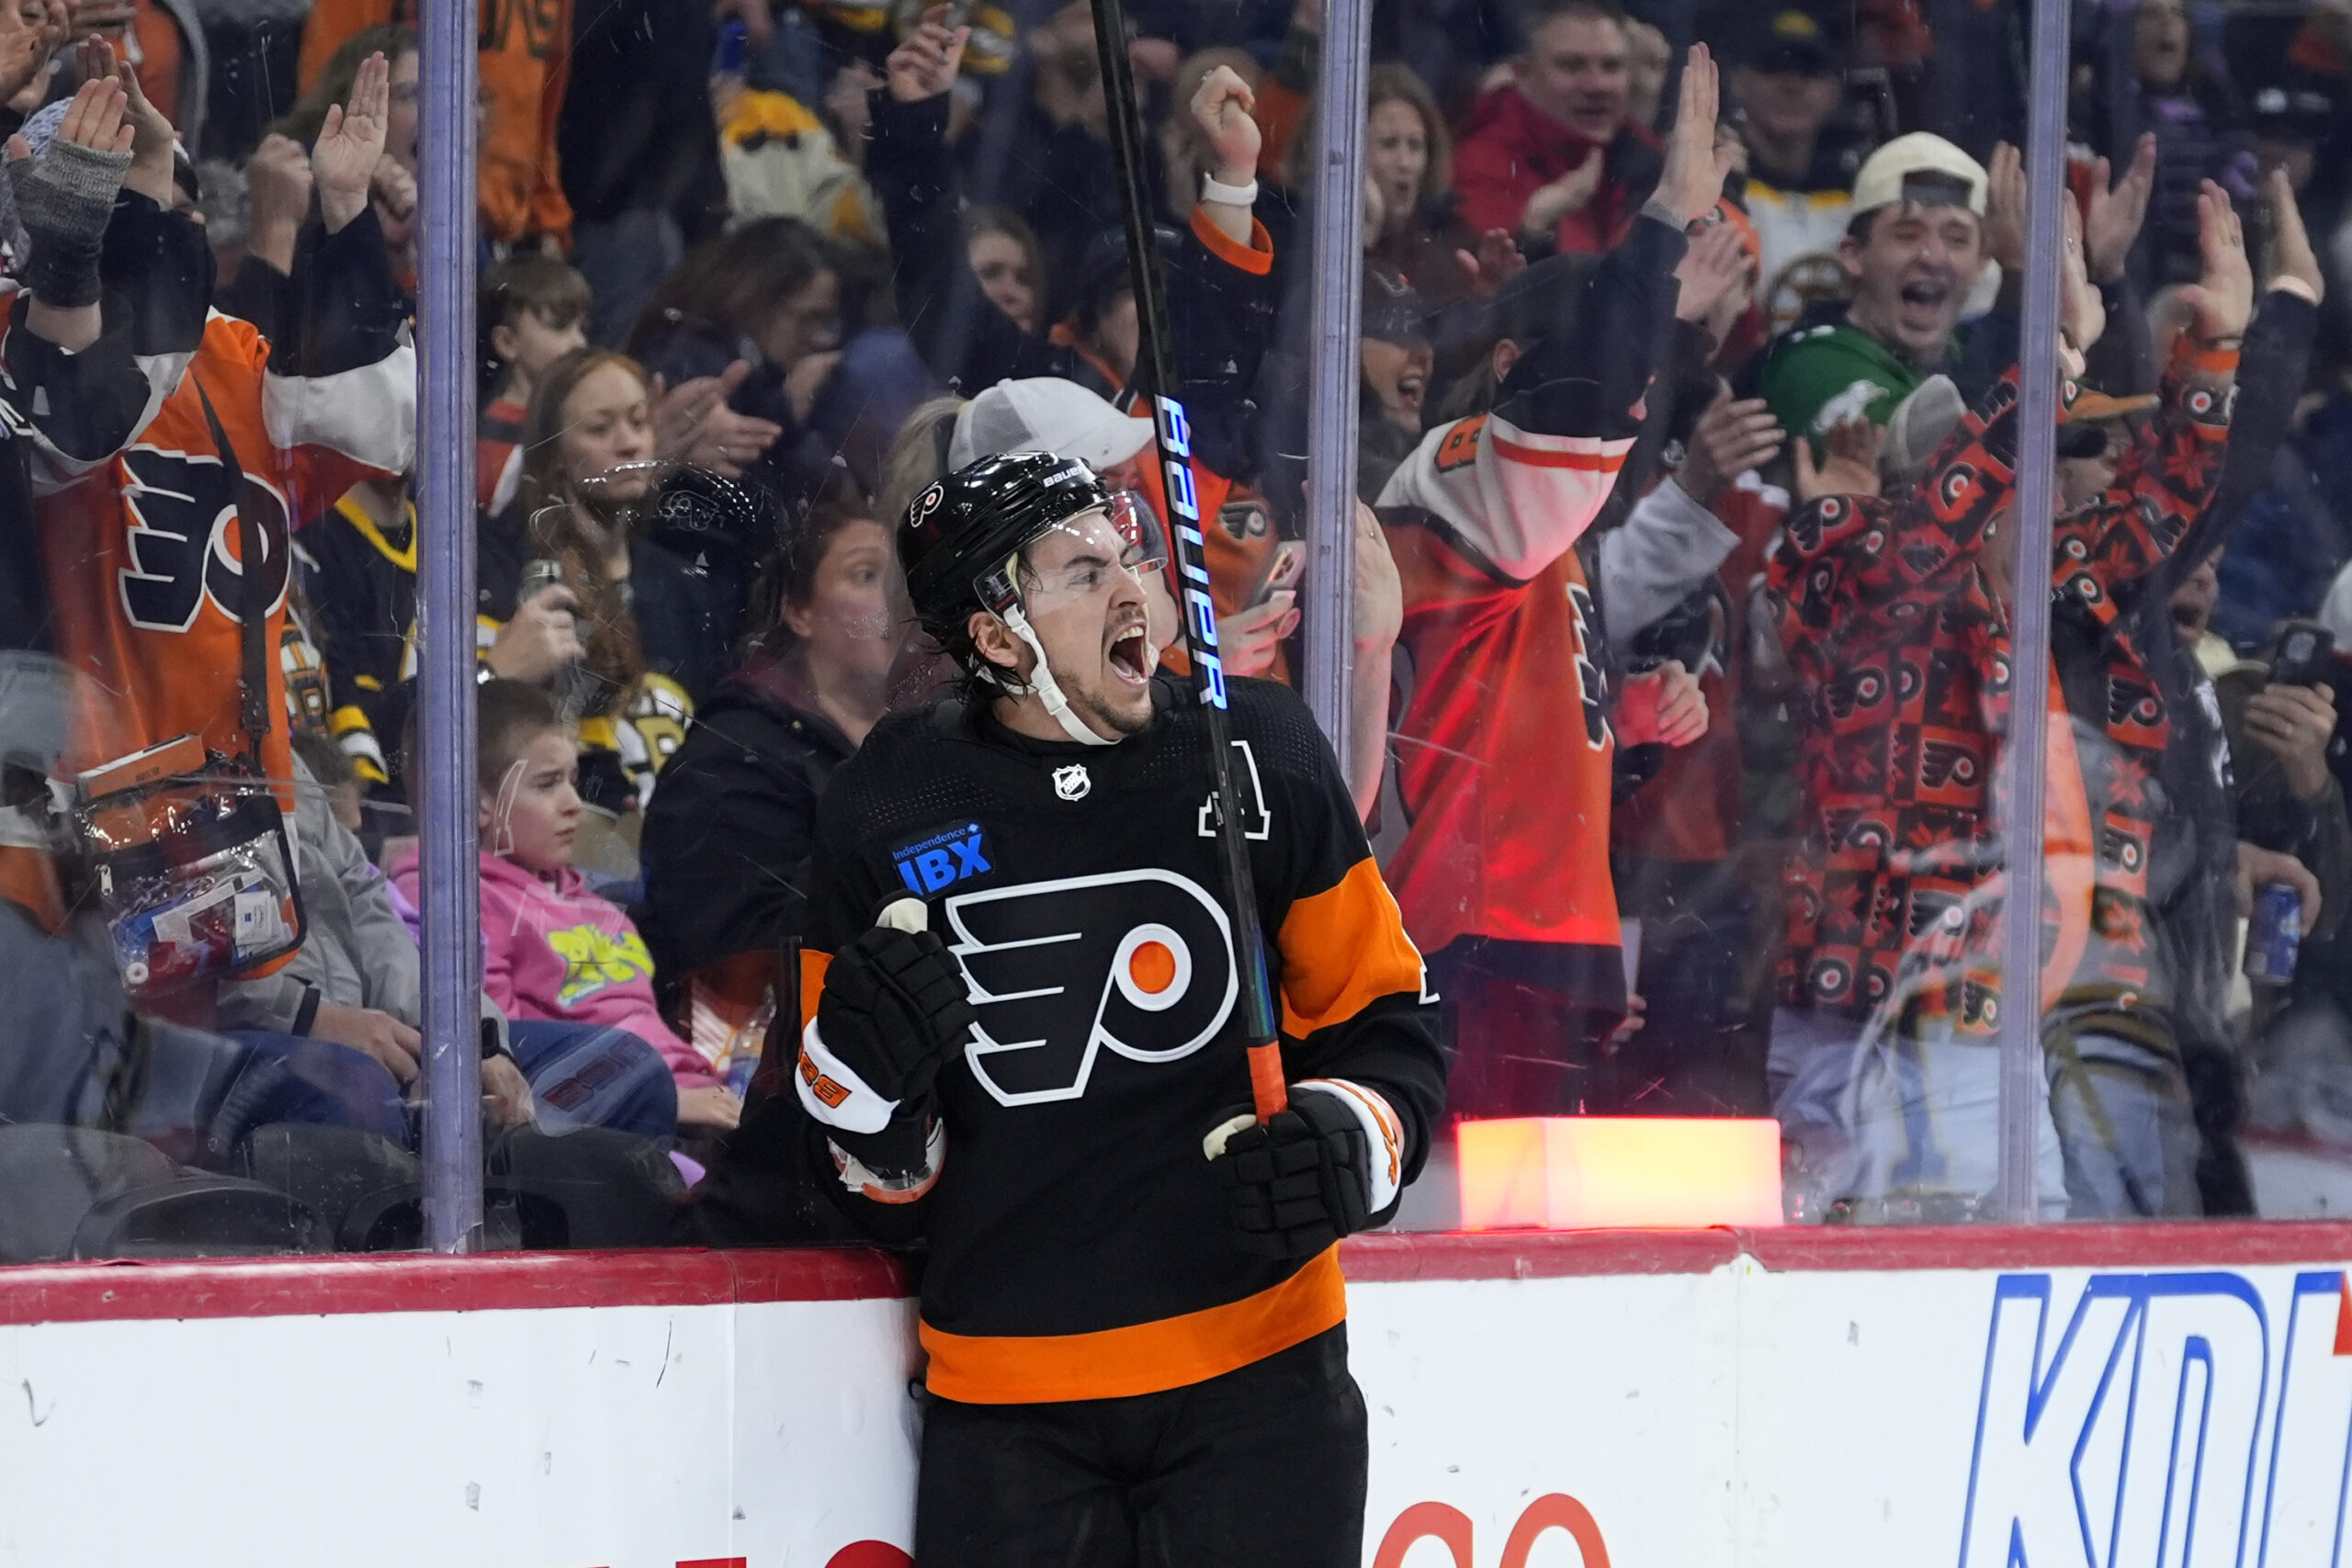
(1879, 183)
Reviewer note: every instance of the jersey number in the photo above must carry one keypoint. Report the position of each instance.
(1589, 685)
(184, 540)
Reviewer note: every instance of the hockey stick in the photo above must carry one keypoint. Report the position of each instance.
(1267, 1089)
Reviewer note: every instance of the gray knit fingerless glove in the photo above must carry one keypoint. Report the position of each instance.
(64, 198)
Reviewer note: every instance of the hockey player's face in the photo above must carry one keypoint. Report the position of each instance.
(535, 816)
(1089, 613)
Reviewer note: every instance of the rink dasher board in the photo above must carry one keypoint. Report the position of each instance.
(2094, 1396)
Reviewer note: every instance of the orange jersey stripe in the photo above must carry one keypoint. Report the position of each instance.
(1256, 258)
(1144, 1358)
(1342, 949)
(1544, 457)
(813, 965)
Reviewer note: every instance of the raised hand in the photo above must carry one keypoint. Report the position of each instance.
(2005, 206)
(925, 65)
(692, 422)
(279, 177)
(66, 197)
(1222, 109)
(1711, 271)
(394, 191)
(1730, 439)
(26, 45)
(1498, 261)
(1695, 166)
(343, 158)
(2295, 258)
(2082, 313)
(1564, 196)
(2222, 296)
(1379, 598)
(1248, 641)
(152, 134)
(2112, 225)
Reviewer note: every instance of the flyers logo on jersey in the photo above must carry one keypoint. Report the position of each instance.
(184, 540)
(1137, 962)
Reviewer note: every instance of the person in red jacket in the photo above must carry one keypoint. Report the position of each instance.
(1552, 157)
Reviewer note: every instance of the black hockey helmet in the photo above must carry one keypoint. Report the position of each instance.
(961, 535)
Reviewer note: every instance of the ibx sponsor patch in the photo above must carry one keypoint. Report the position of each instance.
(942, 858)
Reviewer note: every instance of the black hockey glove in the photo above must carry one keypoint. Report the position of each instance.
(1298, 1181)
(895, 1012)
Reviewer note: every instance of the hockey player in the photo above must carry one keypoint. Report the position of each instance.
(1133, 1305)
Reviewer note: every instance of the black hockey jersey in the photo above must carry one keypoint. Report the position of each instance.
(361, 581)
(1080, 1245)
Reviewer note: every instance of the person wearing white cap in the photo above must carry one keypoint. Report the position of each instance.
(1046, 414)
(1914, 250)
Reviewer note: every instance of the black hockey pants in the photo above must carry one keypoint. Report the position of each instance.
(1261, 1466)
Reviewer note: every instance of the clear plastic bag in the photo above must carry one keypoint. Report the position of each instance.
(193, 871)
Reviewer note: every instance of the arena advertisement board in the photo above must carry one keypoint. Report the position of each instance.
(1535, 1403)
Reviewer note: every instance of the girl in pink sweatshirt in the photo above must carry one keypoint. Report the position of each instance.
(552, 949)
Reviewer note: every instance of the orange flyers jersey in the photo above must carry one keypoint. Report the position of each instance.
(523, 53)
(1503, 747)
(144, 558)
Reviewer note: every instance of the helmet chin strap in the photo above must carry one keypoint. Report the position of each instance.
(1042, 682)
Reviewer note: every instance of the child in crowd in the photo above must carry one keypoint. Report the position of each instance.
(552, 949)
(533, 311)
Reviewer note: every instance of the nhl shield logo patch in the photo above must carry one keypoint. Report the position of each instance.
(1073, 781)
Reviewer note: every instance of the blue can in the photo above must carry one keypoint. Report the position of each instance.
(2274, 935)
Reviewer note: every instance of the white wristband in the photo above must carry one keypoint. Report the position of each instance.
(1215, 189)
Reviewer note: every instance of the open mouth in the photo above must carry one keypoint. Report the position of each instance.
(1409, 390)
(1925, 297)
(1130, 655)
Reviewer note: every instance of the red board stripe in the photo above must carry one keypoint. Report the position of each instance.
(1398, 1257)
(2185, 1244)
(53, 1292)
(66, 1293)
(1504, 1255)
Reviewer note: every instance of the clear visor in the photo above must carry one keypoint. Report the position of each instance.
(1080, 556)
(1140, 527)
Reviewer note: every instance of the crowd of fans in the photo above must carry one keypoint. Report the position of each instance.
(1689, 380)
